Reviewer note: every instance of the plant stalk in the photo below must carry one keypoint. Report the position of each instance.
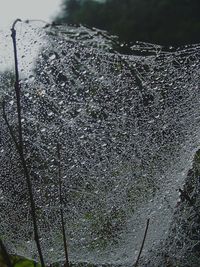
(61, 208)
(142, 245)
(20, 146)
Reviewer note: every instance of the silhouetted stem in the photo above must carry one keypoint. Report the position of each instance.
(17, 86)
(5, 254)
(20, 146)
(9, 127)
(61, 208)
(142, 246)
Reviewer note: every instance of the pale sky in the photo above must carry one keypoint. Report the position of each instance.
(27, 9)
(10, 10)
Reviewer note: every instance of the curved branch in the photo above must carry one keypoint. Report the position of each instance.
(20, 145)
(61, 208)
(9, 127)
(143, 241)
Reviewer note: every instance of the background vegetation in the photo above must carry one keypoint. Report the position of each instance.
(166, 22)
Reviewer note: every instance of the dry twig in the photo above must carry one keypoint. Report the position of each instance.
(19, 143)
(61, 208)
(143, 241)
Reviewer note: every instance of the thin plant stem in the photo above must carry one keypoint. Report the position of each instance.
(17, 85)
(5, 254)
(61, 208)
(9, 127)
(142, 245)
(20, 146)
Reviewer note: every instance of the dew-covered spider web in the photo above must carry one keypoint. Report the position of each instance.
(128, 127)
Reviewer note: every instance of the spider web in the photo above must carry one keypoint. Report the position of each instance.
(128, 127)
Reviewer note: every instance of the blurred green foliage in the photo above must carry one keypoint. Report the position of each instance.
(166, 22)
(18, 261)
(22, 262)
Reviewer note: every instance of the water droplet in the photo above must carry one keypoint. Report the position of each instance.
(50, 113)
(52, 56)
(31, 78)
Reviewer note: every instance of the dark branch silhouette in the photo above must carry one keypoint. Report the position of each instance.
(61, 208)
(143, 241)
(19, 144)
(9, 127)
